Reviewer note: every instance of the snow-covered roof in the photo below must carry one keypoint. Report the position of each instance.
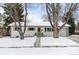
(37, 24)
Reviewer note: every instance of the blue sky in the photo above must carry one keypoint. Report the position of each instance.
(37, 9)
(34, 9)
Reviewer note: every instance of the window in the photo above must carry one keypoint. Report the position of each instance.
(16, 28)
(48, 29)
(31, 29)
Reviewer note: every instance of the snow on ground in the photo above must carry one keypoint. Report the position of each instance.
(8, 43)
(16, 42)
(61, 41)
(74, 38)
(29, 41)
(40, 51)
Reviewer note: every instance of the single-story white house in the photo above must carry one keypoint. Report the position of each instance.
(35, 27)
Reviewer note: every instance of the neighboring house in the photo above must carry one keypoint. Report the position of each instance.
(35, 27)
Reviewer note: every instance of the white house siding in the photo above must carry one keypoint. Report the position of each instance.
(30, 33)
(47, 33)
(67, 31)
(63, 32)
(13, 32)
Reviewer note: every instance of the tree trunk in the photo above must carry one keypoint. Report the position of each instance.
(21, 36)
(56, 33)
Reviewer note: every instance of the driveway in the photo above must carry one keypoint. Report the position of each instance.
(74, 38)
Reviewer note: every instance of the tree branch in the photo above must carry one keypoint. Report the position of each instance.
(49, 16)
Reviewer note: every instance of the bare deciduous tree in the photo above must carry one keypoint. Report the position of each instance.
(15, 11)
(55, 10)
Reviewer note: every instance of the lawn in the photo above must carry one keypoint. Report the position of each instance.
(49, 45)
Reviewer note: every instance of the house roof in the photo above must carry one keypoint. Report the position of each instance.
(37, 24)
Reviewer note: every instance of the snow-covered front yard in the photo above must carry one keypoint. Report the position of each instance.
(61, 41)
(16, 42)
(29, 41)
(16, 46)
